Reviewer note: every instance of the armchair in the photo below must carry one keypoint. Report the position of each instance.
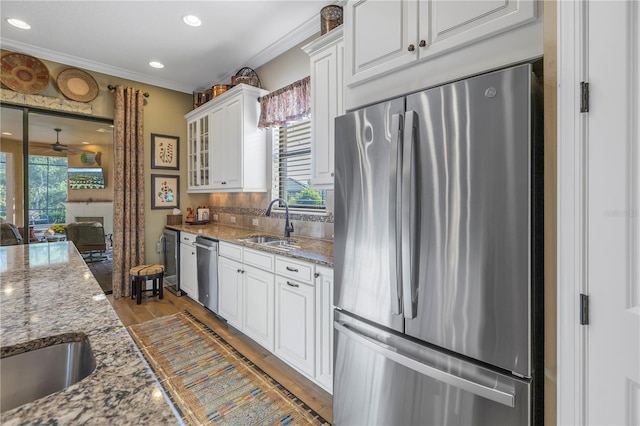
(88, 238)
(10, 236)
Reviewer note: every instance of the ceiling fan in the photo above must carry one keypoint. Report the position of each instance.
(58, 147)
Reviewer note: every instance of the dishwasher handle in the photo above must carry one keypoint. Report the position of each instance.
(209, 248)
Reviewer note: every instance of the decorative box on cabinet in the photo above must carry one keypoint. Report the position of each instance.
(382, 36)
(326, 55)
(235, 158)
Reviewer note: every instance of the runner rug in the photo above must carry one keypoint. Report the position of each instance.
(210, 382)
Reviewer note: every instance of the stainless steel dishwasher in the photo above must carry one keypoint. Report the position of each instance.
(207, 255)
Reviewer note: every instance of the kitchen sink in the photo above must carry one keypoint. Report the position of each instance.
(280, 243)
(261, 239)
(34, 374)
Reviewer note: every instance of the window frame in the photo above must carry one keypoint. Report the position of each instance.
(277, 160)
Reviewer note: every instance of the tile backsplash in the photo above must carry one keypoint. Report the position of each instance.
(245, 209)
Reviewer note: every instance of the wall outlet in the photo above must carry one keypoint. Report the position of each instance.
(255, 222)
(158, 247)
(232, 219)
(215, 217)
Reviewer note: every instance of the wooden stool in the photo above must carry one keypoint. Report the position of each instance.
(140, 275)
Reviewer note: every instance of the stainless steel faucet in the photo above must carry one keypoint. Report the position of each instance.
(288, 227)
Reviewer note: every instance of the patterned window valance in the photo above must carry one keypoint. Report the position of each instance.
(291, 103)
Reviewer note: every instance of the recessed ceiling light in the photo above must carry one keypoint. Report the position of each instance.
(19, 23)
(85, 143)
(156, 64)
(7, 133)
(192, 20)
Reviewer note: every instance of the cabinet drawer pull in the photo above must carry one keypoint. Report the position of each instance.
(289, 283)
(411, 48)
(291, 269)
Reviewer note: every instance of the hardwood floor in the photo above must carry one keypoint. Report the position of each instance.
(311, 394)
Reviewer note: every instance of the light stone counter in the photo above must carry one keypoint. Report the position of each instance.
(48, 295)
(308, 249)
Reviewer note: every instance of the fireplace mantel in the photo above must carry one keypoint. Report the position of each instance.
(102, 209)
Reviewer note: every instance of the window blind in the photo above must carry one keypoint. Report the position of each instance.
(292, 166)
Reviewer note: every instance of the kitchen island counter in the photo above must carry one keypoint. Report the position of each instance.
(49, 295)
(307, 249)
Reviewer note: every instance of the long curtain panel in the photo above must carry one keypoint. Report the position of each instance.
(128, 196)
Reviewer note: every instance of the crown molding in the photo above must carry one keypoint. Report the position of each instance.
(292, 39)
(86, 64)
(287, 42)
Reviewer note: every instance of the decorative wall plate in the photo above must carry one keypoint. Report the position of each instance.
(24, 73)
(77, 85)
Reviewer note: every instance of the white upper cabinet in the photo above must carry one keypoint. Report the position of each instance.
(236, 150)
(198, 153)
(378, 36)
(382, 36)
(327, 102)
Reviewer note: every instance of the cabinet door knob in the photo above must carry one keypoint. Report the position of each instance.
(316, 275)
(239, 270)
(411, 48)
(423, 43)
(332, 174)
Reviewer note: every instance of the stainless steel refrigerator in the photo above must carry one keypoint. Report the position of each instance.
(438, 256)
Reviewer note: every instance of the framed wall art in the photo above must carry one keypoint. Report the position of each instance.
(165, 191)
(165, 153)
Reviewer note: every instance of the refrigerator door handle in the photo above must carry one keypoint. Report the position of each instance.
(409, 217)
(501, 397)
(395, 278)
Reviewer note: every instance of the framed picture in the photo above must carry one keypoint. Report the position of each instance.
(164, 152)
(165, 191)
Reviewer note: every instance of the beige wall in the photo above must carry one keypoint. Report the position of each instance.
(291, 66)
(164, 114)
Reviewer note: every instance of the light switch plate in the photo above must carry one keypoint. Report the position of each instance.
(215, 217)
(232, 219)
(255, 222)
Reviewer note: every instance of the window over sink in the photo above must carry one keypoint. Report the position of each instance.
(291, 161)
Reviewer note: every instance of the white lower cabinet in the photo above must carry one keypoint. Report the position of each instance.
(295, 324)
(258, 306)
(284, 304)
(188, 265)
(324, 327)
(230, 291)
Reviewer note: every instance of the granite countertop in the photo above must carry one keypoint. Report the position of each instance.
(308, 249)
(49, 295)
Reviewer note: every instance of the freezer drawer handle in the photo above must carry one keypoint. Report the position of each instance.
(504, 398)
(209, 248)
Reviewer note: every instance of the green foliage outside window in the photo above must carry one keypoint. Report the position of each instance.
(306, 197)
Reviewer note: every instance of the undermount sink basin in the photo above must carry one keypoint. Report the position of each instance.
(34, 374)
(280, 243)
(261, 239)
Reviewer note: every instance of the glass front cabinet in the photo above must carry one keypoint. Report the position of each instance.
(198, 154)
